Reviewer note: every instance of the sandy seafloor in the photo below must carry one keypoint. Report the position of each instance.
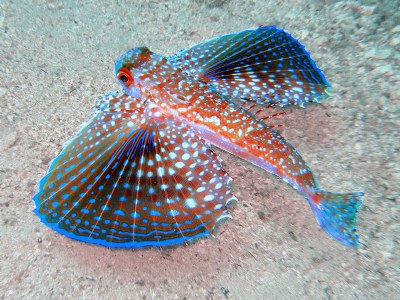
(58, 57)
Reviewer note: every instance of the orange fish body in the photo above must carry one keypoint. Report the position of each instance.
(141, 172)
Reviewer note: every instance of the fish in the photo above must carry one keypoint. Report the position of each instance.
(143, 170)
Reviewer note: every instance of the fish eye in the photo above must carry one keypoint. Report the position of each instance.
(125, 76)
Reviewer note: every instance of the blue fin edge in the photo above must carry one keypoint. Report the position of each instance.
(313, 64)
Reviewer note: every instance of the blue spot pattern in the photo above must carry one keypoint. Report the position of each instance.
(111, 186)
(264, 65)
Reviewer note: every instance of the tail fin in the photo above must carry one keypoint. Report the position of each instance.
(336, 214)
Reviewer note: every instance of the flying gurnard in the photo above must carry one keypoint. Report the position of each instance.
(142, 172)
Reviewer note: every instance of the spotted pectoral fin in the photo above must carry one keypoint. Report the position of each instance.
(265, 65)
(132, 180)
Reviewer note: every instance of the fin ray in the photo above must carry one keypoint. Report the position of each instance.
(336, 214)
(266, 65)
(239, 59)
(151, 181)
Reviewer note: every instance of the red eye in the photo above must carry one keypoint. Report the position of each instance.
(125, 76)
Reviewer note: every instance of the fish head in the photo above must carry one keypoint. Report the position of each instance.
(131, 65)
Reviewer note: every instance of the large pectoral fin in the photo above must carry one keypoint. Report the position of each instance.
(265, 65)
(134, 178)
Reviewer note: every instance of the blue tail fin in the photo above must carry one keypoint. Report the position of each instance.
(336, 214)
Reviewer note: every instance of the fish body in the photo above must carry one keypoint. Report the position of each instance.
(142, 173)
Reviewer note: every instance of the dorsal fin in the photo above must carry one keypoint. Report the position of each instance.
(265, 113)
